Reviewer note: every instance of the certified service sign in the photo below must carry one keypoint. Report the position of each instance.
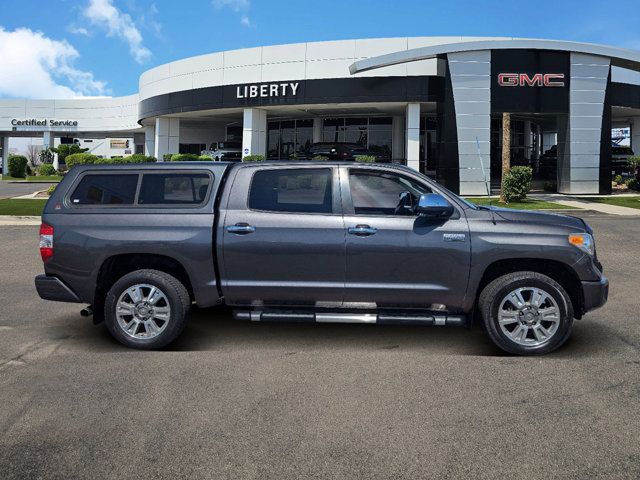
(34, 122)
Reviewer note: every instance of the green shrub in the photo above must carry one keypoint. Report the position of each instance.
(633, 163)
(550, 187)
(46, 169)
(365, 158)
(51, 189)
(320, 158)
(516, 183)
(205, 158)
(29, 171)
(81, 159)
(18, 166)
(632, 184)
(167, 157)
(617, 179)
(253, 158)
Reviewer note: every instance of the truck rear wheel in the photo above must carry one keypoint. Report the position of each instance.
(147, 309)
(526, 313)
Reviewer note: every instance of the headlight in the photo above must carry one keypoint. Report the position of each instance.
(583, 241)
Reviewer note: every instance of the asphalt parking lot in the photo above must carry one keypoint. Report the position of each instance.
(14, 189)
(256, 401)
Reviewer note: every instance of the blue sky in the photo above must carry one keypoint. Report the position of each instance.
(65, 48)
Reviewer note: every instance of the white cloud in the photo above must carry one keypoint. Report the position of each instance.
(78, 30)
(235, 5)
(238, 6)
(104, 15)
(35, 66)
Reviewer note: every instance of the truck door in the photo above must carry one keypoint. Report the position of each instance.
(395, 258)
(283, 237)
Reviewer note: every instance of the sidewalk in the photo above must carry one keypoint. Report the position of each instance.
(14, 221)
(583, 203)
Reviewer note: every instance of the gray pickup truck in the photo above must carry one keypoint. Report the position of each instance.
(309, 242)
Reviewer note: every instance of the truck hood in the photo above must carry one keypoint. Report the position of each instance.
(547, 219)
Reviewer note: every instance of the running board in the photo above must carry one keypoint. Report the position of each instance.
(379, 318)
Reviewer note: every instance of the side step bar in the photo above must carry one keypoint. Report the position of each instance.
(379, 318)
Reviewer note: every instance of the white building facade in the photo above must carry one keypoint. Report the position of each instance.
(434, 103)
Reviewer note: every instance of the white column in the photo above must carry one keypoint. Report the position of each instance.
(397, 138)
(413, 135)
(167, 136)
(5, 155)
(47, 142)
(150, 141)
(317, 130)
(254, 132)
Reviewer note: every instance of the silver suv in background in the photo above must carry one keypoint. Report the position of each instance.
(227, 151)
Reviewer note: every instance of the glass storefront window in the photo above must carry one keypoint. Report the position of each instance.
(273, 140)
(304, 136)
(288, 138)
(380, 135)
(356, 131)
(333, 130)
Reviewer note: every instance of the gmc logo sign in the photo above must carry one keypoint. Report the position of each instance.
(537, 80)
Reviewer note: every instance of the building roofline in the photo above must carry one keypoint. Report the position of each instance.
(620, 57)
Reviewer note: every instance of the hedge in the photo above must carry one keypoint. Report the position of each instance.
(18, 166)
(90, 159)
(189, 157)
(253, 158)
(365, 158)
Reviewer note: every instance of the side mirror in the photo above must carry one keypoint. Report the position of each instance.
(434, 205)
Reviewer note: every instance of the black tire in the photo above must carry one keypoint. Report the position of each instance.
(177, 298)
(493, 294)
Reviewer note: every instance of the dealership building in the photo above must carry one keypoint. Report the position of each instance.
(434, 103)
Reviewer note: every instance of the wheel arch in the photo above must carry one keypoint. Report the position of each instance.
(116, 266)
(558, 271)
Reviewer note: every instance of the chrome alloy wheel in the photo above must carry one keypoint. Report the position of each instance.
(529, 316)
(143, 311)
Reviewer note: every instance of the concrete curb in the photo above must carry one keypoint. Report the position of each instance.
(14, 220)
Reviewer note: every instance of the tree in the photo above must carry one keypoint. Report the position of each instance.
(33, 154)
(506, 151)
(65, 150)
(46, 155)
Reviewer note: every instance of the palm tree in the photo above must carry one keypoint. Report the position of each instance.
(506, 150)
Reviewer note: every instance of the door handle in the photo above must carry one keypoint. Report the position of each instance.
(362, 230)
(241, 228)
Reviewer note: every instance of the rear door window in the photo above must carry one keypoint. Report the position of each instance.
(305, 190)
(174, 188)
(106, 190)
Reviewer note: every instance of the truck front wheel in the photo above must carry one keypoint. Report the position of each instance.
(526, 313)
(147, 309)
